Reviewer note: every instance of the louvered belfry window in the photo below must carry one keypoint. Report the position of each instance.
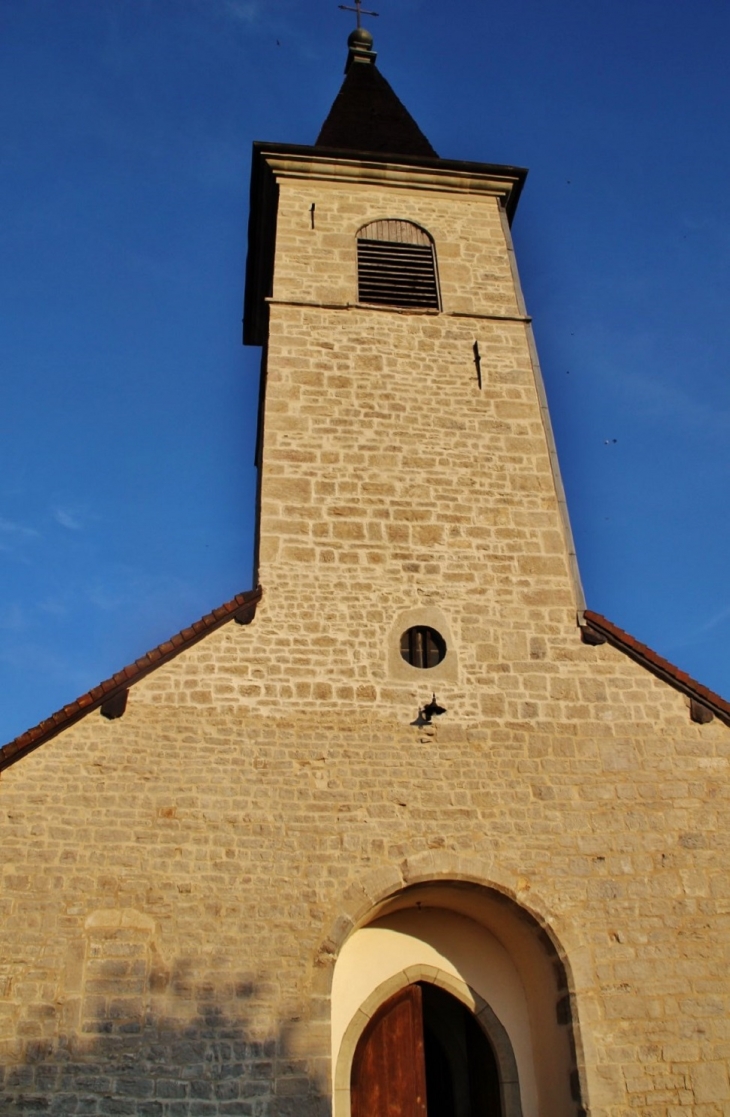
(396, 265)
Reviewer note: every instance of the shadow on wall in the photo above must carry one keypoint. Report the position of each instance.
(155, 1064)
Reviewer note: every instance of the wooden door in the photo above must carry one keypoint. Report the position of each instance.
(389, 1069)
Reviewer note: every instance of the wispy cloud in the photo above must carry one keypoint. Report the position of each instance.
(53, 607)
(664, 400)
(13, 618)
(12, 529)
(66, 519)
(715, 620)
(108, 596)
(124, 587)
(13, 536)
(261, 17)
(43, 662)
(699, 632)
(247, 11)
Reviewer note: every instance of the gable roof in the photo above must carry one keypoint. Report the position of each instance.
(368, 116)
(241, 608)
(610, 633)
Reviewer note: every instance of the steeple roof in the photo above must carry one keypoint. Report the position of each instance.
(367, 115)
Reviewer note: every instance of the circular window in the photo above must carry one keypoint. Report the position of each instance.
(422, 647)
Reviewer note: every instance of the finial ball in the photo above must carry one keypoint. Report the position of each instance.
(360, 38)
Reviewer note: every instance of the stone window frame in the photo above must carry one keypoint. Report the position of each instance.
(422, 616)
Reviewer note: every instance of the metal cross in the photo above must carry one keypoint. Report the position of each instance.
(357, 10)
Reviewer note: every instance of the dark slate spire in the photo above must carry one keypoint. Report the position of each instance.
(366, 114)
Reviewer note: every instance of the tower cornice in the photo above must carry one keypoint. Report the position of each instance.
(475, 178)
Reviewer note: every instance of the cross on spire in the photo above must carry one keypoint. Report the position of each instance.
(358, 10)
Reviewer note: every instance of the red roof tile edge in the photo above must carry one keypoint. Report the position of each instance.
(242, 606)
(659, 666)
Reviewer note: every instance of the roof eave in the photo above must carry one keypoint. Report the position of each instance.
(241, 608)
(658, 666)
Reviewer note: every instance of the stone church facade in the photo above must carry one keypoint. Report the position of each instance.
(213, 892)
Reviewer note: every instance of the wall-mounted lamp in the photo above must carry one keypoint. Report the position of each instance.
(432, 710)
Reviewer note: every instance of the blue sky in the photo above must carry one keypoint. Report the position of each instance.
(128, 416)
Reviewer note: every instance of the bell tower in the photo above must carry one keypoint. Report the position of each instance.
(411, 510)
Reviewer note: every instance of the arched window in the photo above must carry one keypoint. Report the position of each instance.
(396, 265)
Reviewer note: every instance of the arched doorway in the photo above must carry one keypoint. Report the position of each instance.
(488, 953)
(423, 1054)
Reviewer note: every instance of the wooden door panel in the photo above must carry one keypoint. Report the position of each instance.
(388, 1070)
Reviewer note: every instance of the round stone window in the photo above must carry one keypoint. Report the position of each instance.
(422, 646)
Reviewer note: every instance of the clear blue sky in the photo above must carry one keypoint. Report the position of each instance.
(128, 403)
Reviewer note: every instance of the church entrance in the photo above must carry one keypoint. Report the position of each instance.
(424, 1055)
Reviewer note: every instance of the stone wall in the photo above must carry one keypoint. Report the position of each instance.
(171, 882)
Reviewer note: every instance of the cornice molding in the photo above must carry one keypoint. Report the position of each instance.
(407, 176)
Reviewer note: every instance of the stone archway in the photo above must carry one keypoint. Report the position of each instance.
(488, 952)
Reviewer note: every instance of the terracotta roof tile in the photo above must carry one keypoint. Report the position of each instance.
(658, 666)
(243, 605)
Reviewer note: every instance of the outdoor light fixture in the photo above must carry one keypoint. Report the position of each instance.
(432, 710)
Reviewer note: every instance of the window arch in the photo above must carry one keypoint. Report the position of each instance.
(396, 265)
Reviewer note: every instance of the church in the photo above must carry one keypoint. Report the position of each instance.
(406, 830)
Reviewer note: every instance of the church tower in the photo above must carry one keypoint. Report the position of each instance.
(412, 526)
(404, 830)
